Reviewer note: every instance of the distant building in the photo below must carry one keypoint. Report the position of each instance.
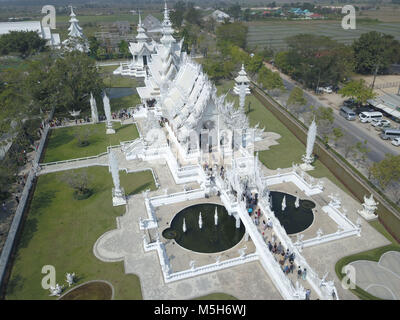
(220, 16)
(53, 39)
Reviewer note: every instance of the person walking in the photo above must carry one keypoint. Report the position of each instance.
(308, 294)
(299, 273)
(304, 274)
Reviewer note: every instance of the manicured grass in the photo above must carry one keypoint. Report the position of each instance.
(217, 296)
(117, 81)
(106, 69)
(90, 291)
(63, 143)
(61, 231)
(124, 102)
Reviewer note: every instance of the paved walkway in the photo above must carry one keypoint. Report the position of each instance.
(382, 278)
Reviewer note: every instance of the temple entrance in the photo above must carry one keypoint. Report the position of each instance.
(145, 60)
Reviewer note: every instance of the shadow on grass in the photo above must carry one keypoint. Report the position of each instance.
(121, 127)
(60, 138)
(141, 188)
(15, 284)
(42, 200)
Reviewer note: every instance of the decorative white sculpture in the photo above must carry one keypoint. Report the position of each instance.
(107, 111)
(308, 158)
(242, 251)
(217, 259)
(284, 203)
(56, 291)
(192, 264)
(216, 217)
(237, 221)
(369, 208)
(200, 221)
(297, 202)
(335, 201)
(319, 233)
(70, 278)
(184, 226)
(117, 192)
(93, 108)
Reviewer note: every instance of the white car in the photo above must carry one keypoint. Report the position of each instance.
(325, 89)
(376, 122)
(396, 142)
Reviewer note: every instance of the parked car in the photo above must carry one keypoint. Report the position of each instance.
(347, 113)
(375, 122)
(325, 89)
(383, 123)
(390, 134)
(396, 142)
(369, 116)
(349, 103)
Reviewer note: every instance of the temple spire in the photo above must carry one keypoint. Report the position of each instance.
(167, 38)
(74, 29)
(141, 35)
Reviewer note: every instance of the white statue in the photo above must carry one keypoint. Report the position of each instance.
(70, 278)
(335, 201)
(56, 291)
(217, 259)
(118, 191)
(242, 251)
(93, 108)
(319, 233)
(107, 111)
(369, 208)
(308, 158)
(192, 264)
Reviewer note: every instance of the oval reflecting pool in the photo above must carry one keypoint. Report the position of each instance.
(293, 219)
(210, 238)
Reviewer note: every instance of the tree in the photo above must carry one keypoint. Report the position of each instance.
(386, 171)
(73, 78)
(281, 61)
(235, 11)
(358, 91)
(94, 46)
(79, 181)
(123, 47)
(25, 43)
(296, 100)
(337, 135)
(375, 52)
(360, 152)
(324, 120)
(178, 13)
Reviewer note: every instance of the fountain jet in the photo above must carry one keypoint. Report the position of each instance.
(216, 216)
(297, 202)
(184, 226)
(200, 221)
(284, 203)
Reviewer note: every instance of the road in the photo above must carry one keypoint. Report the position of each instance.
(378, 147)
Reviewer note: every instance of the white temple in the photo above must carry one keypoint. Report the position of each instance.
(76, 39)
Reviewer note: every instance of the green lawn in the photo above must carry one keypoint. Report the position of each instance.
(63, 143)
(61, 231)
(117, 81)
(124, 102)
(289, 149)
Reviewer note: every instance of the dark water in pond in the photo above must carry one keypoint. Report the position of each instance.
(210, 238)
(293, 219)
(115, 93)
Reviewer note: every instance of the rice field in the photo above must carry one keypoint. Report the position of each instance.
(273, 33)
